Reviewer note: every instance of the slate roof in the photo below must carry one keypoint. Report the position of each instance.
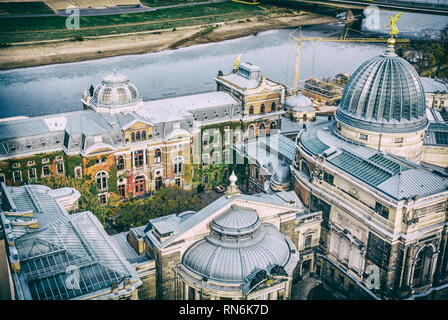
(203, 106)
(178, 226)
(270, 151)
(431, 85)
(388, 174)
(127, 250)
(413, 182)
(436, 134)
(247, 77)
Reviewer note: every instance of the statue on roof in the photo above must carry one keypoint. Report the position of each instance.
(237, 62)
(232, 189)
(392, 24)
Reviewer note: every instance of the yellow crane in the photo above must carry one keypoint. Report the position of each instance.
(343, 38)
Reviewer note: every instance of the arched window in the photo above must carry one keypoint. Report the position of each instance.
(251, 132)
(423, 266)
(273, 126)
(120, 163)
(262, 109)
(273, 105)
(251, 110)
(101, 180)
(137, 136)
(139, 184)
(132, 136)
(143, 135)
(158, 183)
(262, 130)
(157, 156)
(177, 165)
(305, 168)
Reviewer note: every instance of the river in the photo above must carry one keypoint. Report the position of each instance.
(58, 88)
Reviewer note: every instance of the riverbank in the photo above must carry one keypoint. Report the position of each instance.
(146, 42)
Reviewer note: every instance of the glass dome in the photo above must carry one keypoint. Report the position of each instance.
(384, 94)
(115, 90)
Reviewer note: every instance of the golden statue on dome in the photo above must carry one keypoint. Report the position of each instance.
(237, 62)
(393, 27)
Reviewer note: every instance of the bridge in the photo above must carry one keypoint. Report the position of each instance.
(422, 6)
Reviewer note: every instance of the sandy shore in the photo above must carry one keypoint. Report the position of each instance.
(101, 47)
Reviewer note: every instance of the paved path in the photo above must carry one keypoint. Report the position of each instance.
(103, 11)
(301, 289)
(208, 196)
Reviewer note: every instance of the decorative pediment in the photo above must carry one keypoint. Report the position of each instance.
(138, 124)
(178, 133)
(99, 148)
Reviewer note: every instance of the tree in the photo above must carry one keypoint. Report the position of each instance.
(137, 211)
(428, 54)
(88, 200)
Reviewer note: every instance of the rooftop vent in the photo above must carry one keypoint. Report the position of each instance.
(330, 151)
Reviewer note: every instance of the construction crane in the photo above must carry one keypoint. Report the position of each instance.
(343, 38)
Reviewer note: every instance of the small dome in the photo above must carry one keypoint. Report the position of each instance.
(115, 90)
(384, 94)
(299, 102)
(281, 180)
(236, 221)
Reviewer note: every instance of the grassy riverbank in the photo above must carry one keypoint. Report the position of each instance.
(138, 43)
(53, 28)
(13, 8)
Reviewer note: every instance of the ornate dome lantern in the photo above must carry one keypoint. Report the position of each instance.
(115, 94)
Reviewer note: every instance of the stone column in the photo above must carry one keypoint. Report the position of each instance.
(185, 285)
(434, 257)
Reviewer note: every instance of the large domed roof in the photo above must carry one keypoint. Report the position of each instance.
(237, 245)
(115, 90)
(384, 94)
